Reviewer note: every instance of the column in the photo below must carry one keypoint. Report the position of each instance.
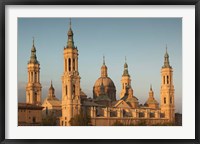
(147, 114)
(157, 114)
(95, 112)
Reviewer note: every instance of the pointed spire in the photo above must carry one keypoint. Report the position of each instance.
(125, 73)
(51, 91)
(33, 46)
(125, 64)
(51, 86)
(33, 58)
(151, 93)
(166, 60)
(70, 41)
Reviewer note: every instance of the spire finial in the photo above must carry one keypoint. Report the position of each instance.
(151, 87)
(70, 23)
(103, 60)
(33, 41)
(166, 59)
(125, 59)
(51, 82)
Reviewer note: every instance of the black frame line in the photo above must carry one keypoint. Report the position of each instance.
(4, 3)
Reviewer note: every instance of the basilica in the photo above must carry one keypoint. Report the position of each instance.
(104, 109)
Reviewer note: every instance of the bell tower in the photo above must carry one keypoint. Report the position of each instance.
(70, 81)
(33, 87)
(167, 90)
(126, 80)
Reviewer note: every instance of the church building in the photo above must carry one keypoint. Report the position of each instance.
(104, 109)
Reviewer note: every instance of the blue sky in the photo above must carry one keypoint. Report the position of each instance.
(142, 40)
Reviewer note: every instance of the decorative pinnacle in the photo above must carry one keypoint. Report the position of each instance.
(151, 87)
(51, 82)
(125, 59)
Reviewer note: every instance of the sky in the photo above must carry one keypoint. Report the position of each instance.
(141, 40)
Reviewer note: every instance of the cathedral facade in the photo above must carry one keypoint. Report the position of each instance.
(104, 109)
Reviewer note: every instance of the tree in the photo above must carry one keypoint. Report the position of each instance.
(49, 120)
(81, 120)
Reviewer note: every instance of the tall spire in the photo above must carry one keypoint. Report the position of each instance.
(70, 41)
(125, 73)
(166, 60)
(33, 58)
(51, 91)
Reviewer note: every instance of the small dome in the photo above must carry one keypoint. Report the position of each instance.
(107, 82)
(151, 101)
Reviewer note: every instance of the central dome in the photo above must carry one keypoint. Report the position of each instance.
(107, 82)
(104, 85)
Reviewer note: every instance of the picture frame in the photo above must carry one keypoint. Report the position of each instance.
(98, 2)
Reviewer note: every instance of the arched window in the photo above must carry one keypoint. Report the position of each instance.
(65, 64)
(35, 97)
(46, 110)
(34, 119)
(170, 100)
(31, 76)
(73, 64)
(167, 79)
(69, 64)
(73, 89)
(66, 89)
(163, 79)
(35, 76)
(164, 100)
